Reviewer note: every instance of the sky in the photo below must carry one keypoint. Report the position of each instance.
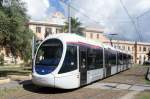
(127, 18)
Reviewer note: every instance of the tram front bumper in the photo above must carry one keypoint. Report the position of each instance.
(43, 80)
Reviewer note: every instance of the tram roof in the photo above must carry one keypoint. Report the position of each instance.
(73, 37)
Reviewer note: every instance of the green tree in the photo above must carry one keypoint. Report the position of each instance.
(14, 32)
(75, 26)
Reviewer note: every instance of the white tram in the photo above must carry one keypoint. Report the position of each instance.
(69, 61)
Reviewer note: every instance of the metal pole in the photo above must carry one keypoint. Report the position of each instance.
(33, 49)
(69, 18)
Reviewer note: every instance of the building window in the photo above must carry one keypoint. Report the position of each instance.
(128, 48)
(38, 29)
(58, 30)
(48, 31)
(132, 48)
(97, 36)
(91, 35)
(140, 48)
(123, 47)
(144, 48)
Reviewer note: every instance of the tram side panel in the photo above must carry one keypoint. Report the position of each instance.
(91, 64)
(113, 62)
(68, 75)
(107, 63)
(94, 64)
(110, 62)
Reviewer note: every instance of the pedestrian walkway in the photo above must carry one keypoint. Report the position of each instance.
(13, 84)
(120, 86)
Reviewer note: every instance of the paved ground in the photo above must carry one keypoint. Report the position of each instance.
(132, 79)
(119, 86)
(135, 75)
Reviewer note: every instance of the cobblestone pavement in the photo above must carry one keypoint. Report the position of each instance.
(132, 79)
(135, 75)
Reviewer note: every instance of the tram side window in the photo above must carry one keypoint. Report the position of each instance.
(109, 58)
(112, 58)
(125, 59)
(106, 57)
(91, 56)
(126, 56)
(99, 58)
(70, 61)
(121, 59)
(130, 59)
(94, 58)
(120, 62)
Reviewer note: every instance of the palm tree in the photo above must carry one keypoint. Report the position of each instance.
(75, 26)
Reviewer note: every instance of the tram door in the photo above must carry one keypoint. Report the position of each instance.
(83, 67)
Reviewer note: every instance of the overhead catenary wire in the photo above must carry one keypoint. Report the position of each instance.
(84, 14)
(132, 21)
(103, 21)
(141, 15)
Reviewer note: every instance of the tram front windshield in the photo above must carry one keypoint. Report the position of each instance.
(49, 53)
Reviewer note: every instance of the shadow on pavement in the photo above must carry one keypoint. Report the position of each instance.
(29, 86)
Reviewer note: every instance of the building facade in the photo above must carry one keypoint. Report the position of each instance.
(43, 29)
(138, 50)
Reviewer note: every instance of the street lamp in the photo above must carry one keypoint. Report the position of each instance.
(69, 18)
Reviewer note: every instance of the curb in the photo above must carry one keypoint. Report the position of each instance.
(4, 80)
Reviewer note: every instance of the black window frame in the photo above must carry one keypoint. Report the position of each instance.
(38, 29)
(93, 56)
(119, 58)
(48, 31)
(37, 61)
